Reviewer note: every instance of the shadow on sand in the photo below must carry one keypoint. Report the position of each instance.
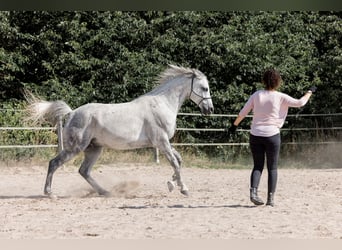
(178, 206)
(175, 206)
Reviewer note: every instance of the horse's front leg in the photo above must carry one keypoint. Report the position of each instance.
(176, 162)
(175, 179)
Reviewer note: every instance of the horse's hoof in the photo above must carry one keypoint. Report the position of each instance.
(52, 196)
(171, 186)
(185, 192)
(105, 194)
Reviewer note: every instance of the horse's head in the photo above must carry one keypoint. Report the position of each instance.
(200, 93)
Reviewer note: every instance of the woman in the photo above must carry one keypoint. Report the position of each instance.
(269, 113)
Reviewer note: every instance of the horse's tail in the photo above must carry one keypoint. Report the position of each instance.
(39, 110)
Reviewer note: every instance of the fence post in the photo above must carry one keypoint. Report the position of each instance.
(60, 133)
(156, 155)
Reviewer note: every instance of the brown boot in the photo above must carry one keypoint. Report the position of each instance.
(255, 198)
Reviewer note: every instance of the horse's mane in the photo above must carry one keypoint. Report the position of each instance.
(174, 71)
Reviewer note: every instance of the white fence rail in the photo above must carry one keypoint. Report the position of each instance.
(60, 145)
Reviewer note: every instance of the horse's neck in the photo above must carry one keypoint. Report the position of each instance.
(175, 93)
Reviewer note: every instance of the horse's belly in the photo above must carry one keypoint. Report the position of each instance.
(122, 143)
(126, 146)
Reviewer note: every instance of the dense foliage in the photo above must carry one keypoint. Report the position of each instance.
(96, 56)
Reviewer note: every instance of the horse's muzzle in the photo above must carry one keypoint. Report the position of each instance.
(207, 110)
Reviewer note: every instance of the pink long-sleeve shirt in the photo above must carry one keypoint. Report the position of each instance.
(269, 111)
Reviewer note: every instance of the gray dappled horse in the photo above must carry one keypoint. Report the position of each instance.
(147, 121)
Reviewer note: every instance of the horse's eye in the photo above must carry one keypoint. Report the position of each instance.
(205, 89)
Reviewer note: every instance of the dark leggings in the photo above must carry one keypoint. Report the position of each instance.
(261, 146)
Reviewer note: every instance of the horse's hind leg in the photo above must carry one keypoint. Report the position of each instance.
(54, 164)
(91, 154)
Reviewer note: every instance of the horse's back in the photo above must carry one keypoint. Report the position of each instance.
(120, 126)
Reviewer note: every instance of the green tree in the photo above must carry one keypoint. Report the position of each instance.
(115, 56)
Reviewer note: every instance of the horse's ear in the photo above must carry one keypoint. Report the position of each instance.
(198, 73)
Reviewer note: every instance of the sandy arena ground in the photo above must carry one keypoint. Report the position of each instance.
(308, 205)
